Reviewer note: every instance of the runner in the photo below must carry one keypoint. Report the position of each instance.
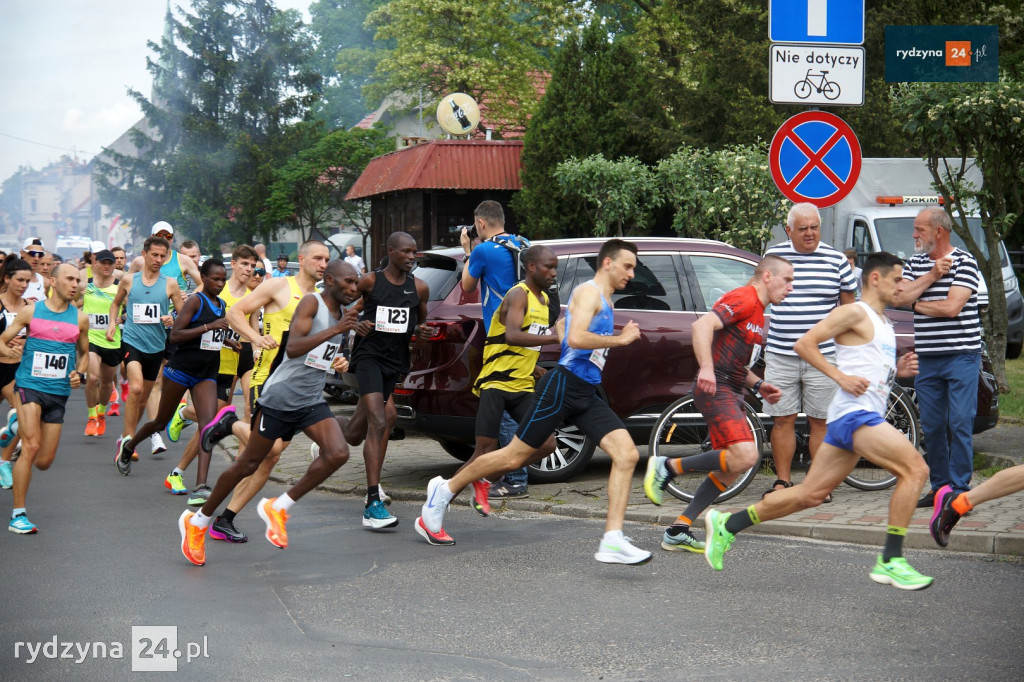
(725, 344)
(394, 304)
(116, 397)
(949, 506)
(145, 296)
(32, 252)
(292, 400)
(569, 392)
(15, 277)
(57, 332)
(866, 365)
(104, 356)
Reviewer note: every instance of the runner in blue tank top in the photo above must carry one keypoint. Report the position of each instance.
(53, 361)
(569, 392)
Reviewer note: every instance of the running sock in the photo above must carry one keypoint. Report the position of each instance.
(740, 520)
(92, 413)
(961, 505)
(705, 494)
(228, 516)
(18, 512)
(893, 542)
(177, 471)
(372, 493)
(705, 461)
(200, 520)
(283, 503)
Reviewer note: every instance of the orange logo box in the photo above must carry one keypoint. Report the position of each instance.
(958, 53)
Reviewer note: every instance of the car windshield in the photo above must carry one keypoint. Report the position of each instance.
(896, 235)
(438, 272)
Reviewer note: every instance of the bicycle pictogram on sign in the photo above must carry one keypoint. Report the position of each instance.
(816, 81)
(815, 156)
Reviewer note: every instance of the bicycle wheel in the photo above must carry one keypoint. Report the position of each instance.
(901, 413)
(681, 431)
(802, 89)
(830, 89)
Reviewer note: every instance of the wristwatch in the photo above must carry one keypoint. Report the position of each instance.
(757, 385)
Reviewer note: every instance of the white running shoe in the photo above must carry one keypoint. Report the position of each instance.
(314, 452)
(621, 551)
(158, 444)
(434, 508)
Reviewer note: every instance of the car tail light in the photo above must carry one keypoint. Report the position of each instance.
(437, 331)
(402, 391)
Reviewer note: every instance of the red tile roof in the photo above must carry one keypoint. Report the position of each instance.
(443, 164)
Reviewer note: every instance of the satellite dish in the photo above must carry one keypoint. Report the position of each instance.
(458, 113)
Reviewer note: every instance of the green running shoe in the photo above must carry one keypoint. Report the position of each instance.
(898, 573)
(175, 484)
(656, 478)
(177, 424)
(717, 539)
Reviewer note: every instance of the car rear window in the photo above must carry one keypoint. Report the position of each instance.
(439, 272)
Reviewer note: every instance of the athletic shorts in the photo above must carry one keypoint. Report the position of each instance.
(245, 360)
(723, 412)
(563, 396)
(373, 378)
(184, 378)
(111, 357)
(273, 424)
(840, 432)
(52, 405)
(224, 383)
(804, 389)
(150, 362)
(493, 404)
(7, 372)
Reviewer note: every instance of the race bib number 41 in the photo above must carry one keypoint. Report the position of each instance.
(145, 313)
(392, 320)
(49, 365)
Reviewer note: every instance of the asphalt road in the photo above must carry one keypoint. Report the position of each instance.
(519, 597)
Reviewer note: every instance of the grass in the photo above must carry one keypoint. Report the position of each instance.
(1011, 405)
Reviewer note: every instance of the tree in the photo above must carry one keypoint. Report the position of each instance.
(618, 196)
(984, 121)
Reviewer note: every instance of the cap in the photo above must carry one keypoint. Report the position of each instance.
(162, 226)
(32, 241)
(104, 254)
(283, 256)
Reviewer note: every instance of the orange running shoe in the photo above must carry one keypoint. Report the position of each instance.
(481, 489)
(92, 427)
(101, 424)
(114, 409)
(193, 539)
(276, 520)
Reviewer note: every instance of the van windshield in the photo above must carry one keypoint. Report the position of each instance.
(896, 235)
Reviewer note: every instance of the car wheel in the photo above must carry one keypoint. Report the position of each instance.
(573, 451)
(1013, 350)
(460, 451)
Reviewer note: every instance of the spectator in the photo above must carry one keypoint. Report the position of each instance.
(282, 267)
(851, 258)
(355, 261)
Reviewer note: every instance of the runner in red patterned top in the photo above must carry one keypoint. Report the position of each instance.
(726, 343)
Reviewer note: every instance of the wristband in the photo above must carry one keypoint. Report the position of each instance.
(757, 385)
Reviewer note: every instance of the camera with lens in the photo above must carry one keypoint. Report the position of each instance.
(470, 230)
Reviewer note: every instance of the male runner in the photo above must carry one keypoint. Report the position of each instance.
(32, 252)
(57, 333)
(569, 392)
(291, 400)
(104, 356)
(394, 304)
(726, 344)
(866, 366)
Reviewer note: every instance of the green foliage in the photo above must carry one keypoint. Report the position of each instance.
(618, 196)
(727, 194)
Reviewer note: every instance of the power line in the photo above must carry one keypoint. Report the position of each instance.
(43, 144)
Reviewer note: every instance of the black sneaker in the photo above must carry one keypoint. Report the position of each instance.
(927, 500)
(219, 428)
(222, 529)
(123, 460)
(199, 495)
(944, 517)
(506, 490)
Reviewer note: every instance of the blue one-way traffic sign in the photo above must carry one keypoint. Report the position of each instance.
(838, 22)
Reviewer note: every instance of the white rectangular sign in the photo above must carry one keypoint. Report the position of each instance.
(816, 75)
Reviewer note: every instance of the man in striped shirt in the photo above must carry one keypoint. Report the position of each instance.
(943, 288)
(823, 280)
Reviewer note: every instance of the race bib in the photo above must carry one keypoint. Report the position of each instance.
(145, 313)
(392, 320)
(322, 356)
(99, 320)
(9, 320)
(49, 365)
(214, 339)
(539, 330)
(755, 353)
(597, 358)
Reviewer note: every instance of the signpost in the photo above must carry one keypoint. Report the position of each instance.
(815, 156)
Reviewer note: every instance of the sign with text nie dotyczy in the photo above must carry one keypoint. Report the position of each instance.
(827, 75)
(950, 54)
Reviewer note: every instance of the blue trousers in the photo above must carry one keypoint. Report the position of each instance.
(505, 435)
(947, 394)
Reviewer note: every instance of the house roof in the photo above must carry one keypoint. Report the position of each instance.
(443, 164)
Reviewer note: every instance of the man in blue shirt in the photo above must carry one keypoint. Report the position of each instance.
(282, 267)
(493, 266)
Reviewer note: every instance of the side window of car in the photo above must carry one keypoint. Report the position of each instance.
(655, 285)
(566, 278)
(862, 238)
(717, 275)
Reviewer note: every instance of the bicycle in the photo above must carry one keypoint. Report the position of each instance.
(681, 431)
(824, 86)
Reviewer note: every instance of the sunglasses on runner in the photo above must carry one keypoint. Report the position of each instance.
(36, 254)
(259, 271)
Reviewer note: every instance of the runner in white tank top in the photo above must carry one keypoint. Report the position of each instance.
(875, 361)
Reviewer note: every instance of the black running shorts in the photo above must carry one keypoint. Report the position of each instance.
(111, 357)
(493, 403)
(52, 405)
(563, 396)
(150, 362)
(374, 378)
(273, 424)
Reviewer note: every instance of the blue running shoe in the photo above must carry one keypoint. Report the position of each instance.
(6, 477)
(10, 430)
(377, 517)
(21, 525)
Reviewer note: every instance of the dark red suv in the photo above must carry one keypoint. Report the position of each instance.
(677, 281)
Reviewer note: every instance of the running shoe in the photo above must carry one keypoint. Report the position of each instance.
(158, 444)
(222, 529)
(101, 424)
(123, 459)
(276, 520)
(381, 495)
(377, 517)
(199, 495)
(480, 503)
(177, 424)
(438, 538)
(506, 490)
(219, 428)
(10, 430)
(656, 478)
(125, 390)
(92, 427)
(193, 539)
(434, 508)
(175, 484)
(114, 408)
(6, 476)
(621, 551)
(717, 539)
(682, 542)
(898, 573)
(314, 451)
(5, 437)
(944, 517)
(21, 525)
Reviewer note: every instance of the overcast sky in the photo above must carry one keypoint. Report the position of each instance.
(65, 67)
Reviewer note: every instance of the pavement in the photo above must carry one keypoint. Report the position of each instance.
(853, 516)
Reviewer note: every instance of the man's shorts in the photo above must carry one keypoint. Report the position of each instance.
(224, 384)
(245, 360)
(7, 372)
(561, 395)
(804, 389)
(840, 432)
(111, 357)
(493, 403)
(374, 378)
(150, 362)
(184, 378)
(273, 424)
(52, 405)
(723, 412)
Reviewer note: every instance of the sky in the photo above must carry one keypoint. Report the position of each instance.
(65, 68)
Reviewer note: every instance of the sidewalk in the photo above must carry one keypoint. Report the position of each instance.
(854, 516)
